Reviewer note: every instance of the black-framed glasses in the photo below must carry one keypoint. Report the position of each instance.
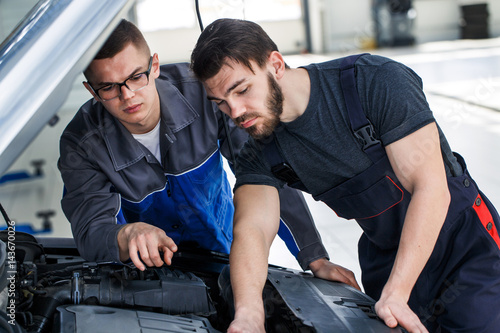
(134, 83)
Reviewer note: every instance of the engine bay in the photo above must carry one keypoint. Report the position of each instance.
(49, 288)
(57, 291)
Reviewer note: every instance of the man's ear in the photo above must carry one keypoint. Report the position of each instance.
(277, 64)
(155, 66)
(89, 88)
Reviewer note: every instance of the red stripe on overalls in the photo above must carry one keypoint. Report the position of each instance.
(486, 219)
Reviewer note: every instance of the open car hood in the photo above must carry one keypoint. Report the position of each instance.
(40, 60)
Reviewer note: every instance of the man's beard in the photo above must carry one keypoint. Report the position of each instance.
(271, 118)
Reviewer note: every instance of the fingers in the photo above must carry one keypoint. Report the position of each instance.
(168, 250)
(168, 243)
(329, 271)
(394, 314)
(150, 255)
(139, 248)
(411, 323)
(145, 242)
(134, 256)
(349, 278)
(352, 282)
(386, 315)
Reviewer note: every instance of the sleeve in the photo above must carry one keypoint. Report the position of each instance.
(89, 202)
(252, 167)
(396, 103)
(297, 228)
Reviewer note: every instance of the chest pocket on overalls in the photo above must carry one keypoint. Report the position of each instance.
(367, 195)
(371, 202)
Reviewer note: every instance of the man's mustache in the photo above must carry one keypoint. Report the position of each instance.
(246, 116)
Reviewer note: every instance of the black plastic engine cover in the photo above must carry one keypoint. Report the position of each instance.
(94, 319)
(327, 306)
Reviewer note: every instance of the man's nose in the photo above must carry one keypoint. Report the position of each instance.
(236, 109)
(126, 93)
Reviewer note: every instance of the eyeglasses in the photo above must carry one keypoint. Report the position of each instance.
(134, 83)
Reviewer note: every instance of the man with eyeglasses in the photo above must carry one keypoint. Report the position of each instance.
(109, 90)
(142, 167)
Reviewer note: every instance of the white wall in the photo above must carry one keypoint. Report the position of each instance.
(176, 45)
(346, 24)
(336, 25)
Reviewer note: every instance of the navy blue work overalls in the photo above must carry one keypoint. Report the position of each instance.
(459, 288)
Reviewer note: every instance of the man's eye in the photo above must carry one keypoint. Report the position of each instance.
(136, 77)
(243, 91)
(219, 103)
(107, 88)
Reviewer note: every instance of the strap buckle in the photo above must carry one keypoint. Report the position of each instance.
(285, 173)
(366, 135)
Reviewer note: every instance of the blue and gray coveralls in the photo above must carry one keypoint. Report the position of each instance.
(459, 288)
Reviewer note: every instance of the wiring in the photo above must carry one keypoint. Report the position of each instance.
(198, 15)
(5, 216)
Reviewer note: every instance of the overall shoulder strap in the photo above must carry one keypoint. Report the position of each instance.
(360, 125)
(279, 166)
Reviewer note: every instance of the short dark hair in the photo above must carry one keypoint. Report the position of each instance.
(124, 34)
(238, 40)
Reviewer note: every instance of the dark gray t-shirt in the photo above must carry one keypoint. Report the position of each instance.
(320, 146)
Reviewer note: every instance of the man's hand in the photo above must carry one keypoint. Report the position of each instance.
(324, 269)
(395, 310)
(245, 322)
(146, 240)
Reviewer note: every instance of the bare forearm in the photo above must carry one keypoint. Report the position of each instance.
(424, 219)
(248, 262)
(426, 180)
(255, 225)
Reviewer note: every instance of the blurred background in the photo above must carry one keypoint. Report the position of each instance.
(304, 26)
(454, 45)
